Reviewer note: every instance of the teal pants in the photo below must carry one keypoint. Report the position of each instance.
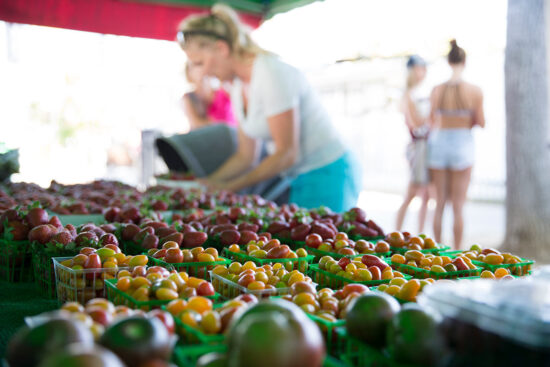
(336, 185)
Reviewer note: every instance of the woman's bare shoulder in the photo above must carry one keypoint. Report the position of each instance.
(472, 89)
(436, 90)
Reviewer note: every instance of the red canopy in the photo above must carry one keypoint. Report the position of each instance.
(125, 18)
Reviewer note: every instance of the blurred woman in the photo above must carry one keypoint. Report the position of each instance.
(456, 108)
(204, 105)
(416, 110)
(273, 102)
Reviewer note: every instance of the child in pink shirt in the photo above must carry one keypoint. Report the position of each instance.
(205, 106)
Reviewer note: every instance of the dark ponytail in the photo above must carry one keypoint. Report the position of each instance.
(457, 55)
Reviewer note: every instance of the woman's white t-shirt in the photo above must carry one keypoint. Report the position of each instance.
(276, 87)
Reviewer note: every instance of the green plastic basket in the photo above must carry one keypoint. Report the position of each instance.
(194, 269)
(401, 301)
(43, 267)
(15, 261)
(355, 353)
(44, 273)
(420, 273)
(521, 269)
(453, 253)
(435, 251)
(319, 254)
(370, 239)
(326, 279)
(298, 263)
(229, 289)
(290, 242)
(329, 329)
(117, 297)
(188, 355)
(190, 335)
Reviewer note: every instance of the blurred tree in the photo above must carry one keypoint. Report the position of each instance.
(527, 150)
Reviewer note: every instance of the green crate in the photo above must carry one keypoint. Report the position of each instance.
(15, 261)
(188, 355)
(194, 269)
(229, 289)
(326, 279)
(117, 297)
(298, 263)
(521, 269)
(319, 254)
(420, 273)
(435, 251)
(191, 335)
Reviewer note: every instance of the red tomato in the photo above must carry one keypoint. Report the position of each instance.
(173, 256)
(205, 289)
(166, 318)
(313, 240)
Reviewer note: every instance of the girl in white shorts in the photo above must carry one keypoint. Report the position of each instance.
(456, 107)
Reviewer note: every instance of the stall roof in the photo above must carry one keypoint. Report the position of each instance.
(156, 19)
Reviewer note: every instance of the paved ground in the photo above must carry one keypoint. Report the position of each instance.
(484, 223)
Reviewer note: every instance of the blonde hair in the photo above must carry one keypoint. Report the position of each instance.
(222, 23)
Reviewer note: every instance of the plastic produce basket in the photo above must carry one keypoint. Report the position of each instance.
(298, 263)
(435, 251)
(80, 285)
(401, 301)
(290, 242)
(355, 353)
(190, 335)
(453, 253)
(229, 289)
(420, 273)
(519, 269)
(319, 254)
(15, 261)
(333, 281)
(44, 273)
(194, 269)
(329, 329)
(117, 297)
(188, 355)
(370, 239)
(522, 268)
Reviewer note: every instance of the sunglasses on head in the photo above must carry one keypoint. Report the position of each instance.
(183, 36)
